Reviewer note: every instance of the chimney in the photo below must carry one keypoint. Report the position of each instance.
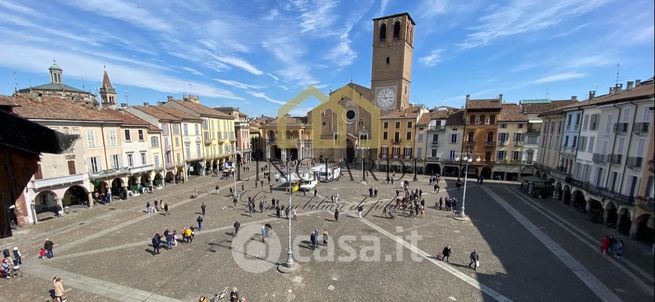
(617, 88)
(592, 93)
(628, 85)
(160, 103)
(146, 104)
(500, 97)
(637, 83)
(611, 90)
(170, 98)
(123, 105)
(468, 96)
(574, 98)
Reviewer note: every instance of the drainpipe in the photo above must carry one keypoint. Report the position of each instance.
(634, 118)
(609, 167)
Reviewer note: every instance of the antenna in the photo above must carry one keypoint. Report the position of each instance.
(618, 69)
(15, 83)
(126, 96)
(189, 88)
(547, 93)
(83, 86)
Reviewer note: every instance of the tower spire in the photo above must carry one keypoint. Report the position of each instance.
(107, 91)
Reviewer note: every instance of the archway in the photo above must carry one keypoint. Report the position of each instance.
(158, 180)
(276, 153)
(431, 169)
(557, 194)
(567, 195)
(612, 215)
(595, 211)
(579, 202)
(544, 176)
(170, 176)
(499, 175)
(145, 180)
(116, 186)
(486, 172)
(75, 195)
(45, 201)
(350, 151)
(624, 221)
(645, 228)
(450, 171)
(195, 169)
(133, 183)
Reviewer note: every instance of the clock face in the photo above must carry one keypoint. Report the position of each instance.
(386, 98)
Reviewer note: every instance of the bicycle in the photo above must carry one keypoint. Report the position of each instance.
(220, 295)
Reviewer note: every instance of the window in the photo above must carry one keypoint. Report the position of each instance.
(396, 136)
(435, 137)
(177, 142)
(516, 155)
(395, 151)
(568, 120)
(198, 150)
(626, 114)
(112, 137)
(492, 119)
(186, 129)
(396, 30)
(409, 135)
(144, 160)
(384, 135)
(177, 155)
(386, 125)
(471, 136)
(453, 138)
(90, 138)
(575, 140)
(114, 162)
(591, 144)
(196, 128)
(383, 31)
(502, 137)
(154, 142)
(94, 164)
(387, 60)
(472, 119)
(420, 137)
(503, 125)
(490, 137)
(71, 167)
(176, 128)
(577, 119)
(187, 150)
(130, 160)
(646, 117)
(585, 122)
(156, 158)
(520, 125)
(127, 135)
(500, 155)
(397, 125)
(164, 129)
(518, 137)
(619, 147)
(452, 155)
(483, 119)
(566, 141)
(409, 125)
(434, 152)
(140, 135)
(640, 147)
(609, 123)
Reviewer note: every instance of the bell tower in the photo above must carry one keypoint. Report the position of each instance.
(107, 92)
(393, 48)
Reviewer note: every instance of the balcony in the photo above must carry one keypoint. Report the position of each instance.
(600, 158)
(208, 137)
(141, 169)
(616, 158)
(640, 128)
(397, 141)
(533, 131)
(502, 143)
(490, 143)
(470, 142)
(633, 162)
(518, 144)
(621, 128)
(108, 173)
(604, 192)
(436, 128)
(433, 158)
(57, 181)
(435, 144)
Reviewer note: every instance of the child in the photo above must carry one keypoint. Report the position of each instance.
(42, 254)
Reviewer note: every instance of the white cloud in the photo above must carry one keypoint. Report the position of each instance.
(262, 95)
(272, 76)
(30, 59)
(559, 77)
(290, 53)
(283, 87)
(521, 16)
(20, 9)
(238, 62)
(589, 61)
(192, 71)
(433, 58)
(342, 54)
(125, 11)
(315, 15)
(239, 84)
(431, 8)
(383, 7)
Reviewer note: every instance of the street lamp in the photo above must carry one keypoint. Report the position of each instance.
(361, 150)
(289, 266)
(468, 159)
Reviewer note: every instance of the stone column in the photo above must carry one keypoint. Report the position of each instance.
(606, 213)
(634, 226)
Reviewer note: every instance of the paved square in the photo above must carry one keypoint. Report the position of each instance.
(527, 250)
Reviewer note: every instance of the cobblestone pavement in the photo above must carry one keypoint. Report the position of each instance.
(530, 249)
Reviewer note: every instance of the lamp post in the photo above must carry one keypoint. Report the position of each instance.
(361, 150)
(467, 159)
(289, 266)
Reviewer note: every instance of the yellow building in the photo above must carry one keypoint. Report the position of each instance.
(398, 131)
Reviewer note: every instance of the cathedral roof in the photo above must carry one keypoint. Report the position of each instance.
(53, 87)
(105, 80)
(54, 108)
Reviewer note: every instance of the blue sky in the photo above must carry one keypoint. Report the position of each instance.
(257, 54)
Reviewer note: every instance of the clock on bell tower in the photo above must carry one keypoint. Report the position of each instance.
(391, 72)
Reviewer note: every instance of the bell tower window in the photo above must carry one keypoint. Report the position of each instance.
(383, 31)
(396, 30)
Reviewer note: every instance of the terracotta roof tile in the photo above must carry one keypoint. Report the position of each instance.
(407, 113)
(473, 104)
(53, 108)
(641, 91)
(364, 91)
(203, 110)
(129, 119)
(511, 113)
(157, 113)
(180, 114)
(456, 119)
(8, 101)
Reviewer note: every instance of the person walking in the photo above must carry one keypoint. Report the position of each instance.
(277, 211)
(169, 240)
(315, 192)
(156, 243)
(375, 192)
(313, 239)
(360, 209)
(604, 245)
(618, 249)
(446, 253)
(187, 235)
(440, 203)
(58, 289)
(237, 225)
(199, 220)
(218, 190)
(261, 205)
(203, 208)
(18, 257)
(336, 214)
(166, 208)
(148, 207)
(48, 245)
(294, 214)
(475, 260)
